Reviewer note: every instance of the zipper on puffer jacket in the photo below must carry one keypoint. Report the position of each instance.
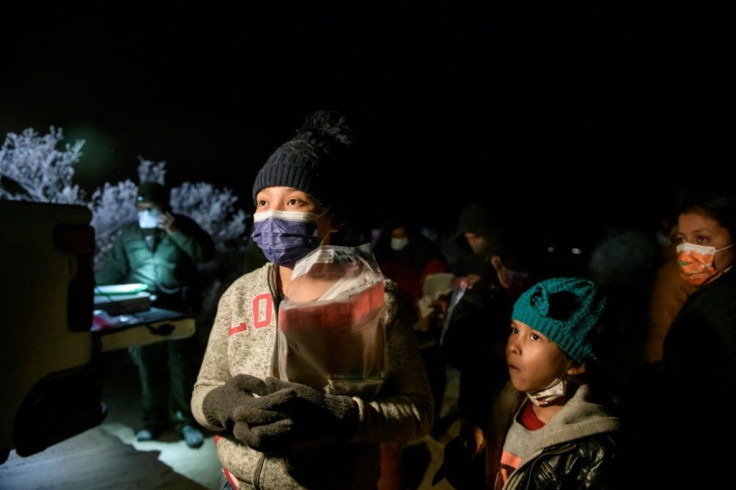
(257, 472)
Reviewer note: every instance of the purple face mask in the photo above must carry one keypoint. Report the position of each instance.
(285, 236)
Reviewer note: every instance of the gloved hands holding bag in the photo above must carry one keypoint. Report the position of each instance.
(304, 413)
(220, 404)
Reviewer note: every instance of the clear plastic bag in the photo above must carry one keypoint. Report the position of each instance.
(330, 333)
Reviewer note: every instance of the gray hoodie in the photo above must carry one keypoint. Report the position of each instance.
(581, 431)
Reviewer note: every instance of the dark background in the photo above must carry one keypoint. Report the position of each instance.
(565, 117)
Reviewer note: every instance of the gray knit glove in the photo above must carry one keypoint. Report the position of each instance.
(221, 403)
(303, 413)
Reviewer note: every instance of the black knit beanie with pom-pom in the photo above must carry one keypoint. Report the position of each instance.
(312, 161)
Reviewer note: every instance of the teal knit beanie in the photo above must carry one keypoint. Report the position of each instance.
(566, 310)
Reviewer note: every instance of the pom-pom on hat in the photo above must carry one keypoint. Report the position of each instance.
(154, 193)
(310, 161)
(566, 310)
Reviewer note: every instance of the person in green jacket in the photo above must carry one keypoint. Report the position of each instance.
(162, 250)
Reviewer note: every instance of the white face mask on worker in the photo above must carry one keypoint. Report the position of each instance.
(148, 218)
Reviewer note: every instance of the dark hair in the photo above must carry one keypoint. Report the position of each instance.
(719, 206)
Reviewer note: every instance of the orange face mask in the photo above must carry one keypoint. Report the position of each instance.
(697, 263)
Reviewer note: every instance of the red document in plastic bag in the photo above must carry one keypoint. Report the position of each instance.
(330, 333)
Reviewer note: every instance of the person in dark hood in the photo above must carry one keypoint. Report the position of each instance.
(476, 324)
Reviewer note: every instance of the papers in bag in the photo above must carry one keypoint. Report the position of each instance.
(330, 333)
(435, 285)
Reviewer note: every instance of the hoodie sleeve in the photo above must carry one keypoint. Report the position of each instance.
(404, 409)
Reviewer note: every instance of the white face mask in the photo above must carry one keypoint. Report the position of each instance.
(399, 243)
(701, 249)
(148, 218)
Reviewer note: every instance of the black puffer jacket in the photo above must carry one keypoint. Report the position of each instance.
(694, 402)
(578, 448)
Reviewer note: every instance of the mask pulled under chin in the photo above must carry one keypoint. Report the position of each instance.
(556, 389)
(285, 237)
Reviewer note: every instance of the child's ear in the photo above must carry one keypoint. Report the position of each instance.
(576, 369)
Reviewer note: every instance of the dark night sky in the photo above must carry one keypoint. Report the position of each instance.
(574, 116)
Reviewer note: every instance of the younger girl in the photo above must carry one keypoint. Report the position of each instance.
(547, 429)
